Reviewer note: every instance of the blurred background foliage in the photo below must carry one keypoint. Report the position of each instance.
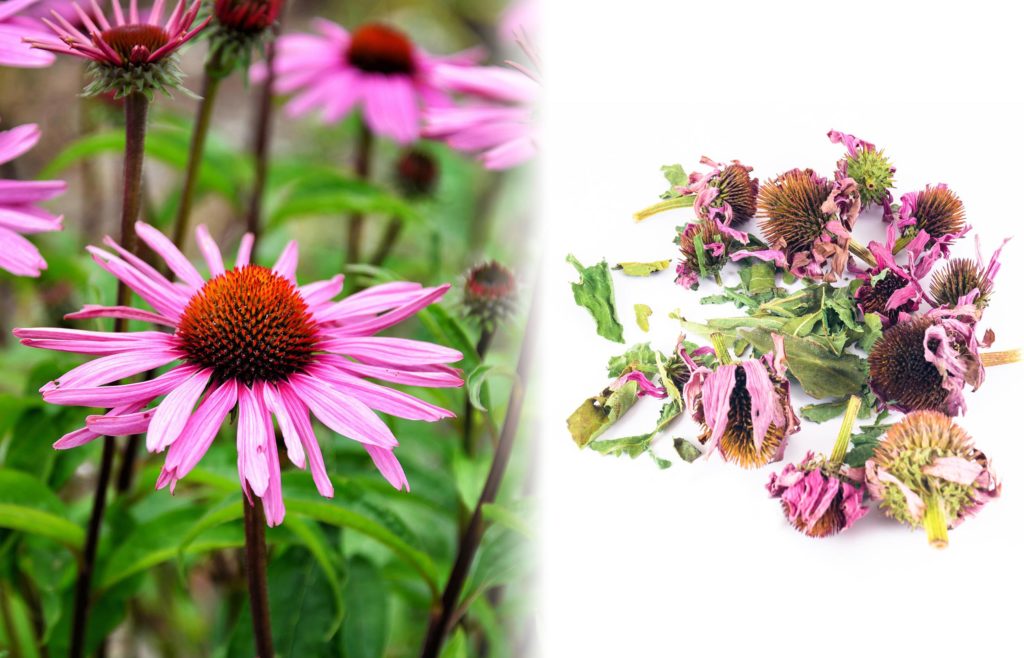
(355, 576)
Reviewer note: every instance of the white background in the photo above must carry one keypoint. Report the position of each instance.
(697, 559)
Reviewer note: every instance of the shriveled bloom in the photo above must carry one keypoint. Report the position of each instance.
(961, 277)
(490, 294)
(890, 289)
(927, 472)
(819, 498)
(497, 123)
(376, 68)
(15, 27)
(869, 167)
(129, 53)
(20, 213)
(924, 362)
(806, 220)
(937, 211)
(704, 247)
(726, 193)
(248, 340)
(744, 408)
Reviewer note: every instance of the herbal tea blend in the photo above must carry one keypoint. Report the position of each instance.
(869, 330)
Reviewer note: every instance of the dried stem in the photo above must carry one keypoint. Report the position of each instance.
(256, 570)
(861, 252)
(444, 617)
(136, 107)
(935, 523)
(842, 443)
(721, 349)
(989, 359)
(685, 201)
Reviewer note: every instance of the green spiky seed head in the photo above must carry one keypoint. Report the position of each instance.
(873, 173)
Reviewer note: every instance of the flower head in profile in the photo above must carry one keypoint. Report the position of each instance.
(726, 193)
(869, 167)
(20, 213)
(133, 53)
(927, 472)
(238, 27)
(704, 247)
(490, 294)
(962, 278)
(819, 498)
(935, 210)
(890, 289)
(16, 26)
(744, 407)
(416, 173)
(925, 362)
(376, 68)
(497, 122)
(806, 220)
(248, 340)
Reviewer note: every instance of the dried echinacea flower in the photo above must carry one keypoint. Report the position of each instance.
(924, 363)
(705, 247)
(870, 168)
(490, 294)
(726, 193)
(744, 408)
(806, 220)
(961, 277)
(935, 210)
(927, 472)
(890, 289)
(126, 53)
(821, 496)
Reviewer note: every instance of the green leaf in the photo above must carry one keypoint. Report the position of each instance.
(332, 193)
(823, 411)
(508, 518)
(676, 177)
(479, 376)
(597, 414)
(470, 476)
(364, 633)
(871, 331)
(450, 331)
(312, 537)
(802, 326)
(643, 314)
(642, 269)
(638, 357)
(27, 505)
(758, 277)
(687, 450)
(457, 645)
(821, 373)
(595, 293)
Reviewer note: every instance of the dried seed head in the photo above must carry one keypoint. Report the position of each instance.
(899, 371)
(938, 211)
(873, 297)
(736, 188)
(249, 324)
(873, 173)
(790, 209)
(959, 277)
(737, 444)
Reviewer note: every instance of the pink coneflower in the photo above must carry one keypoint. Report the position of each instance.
(500, 128)
(744, 407)
(806, 220)
(15, 27)
(889, 288)
(249, 339)
(132, 53)
(870, 168)
(247, 15)
(376, 67)
(19, 212)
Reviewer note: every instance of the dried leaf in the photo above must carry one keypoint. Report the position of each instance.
(642, 269)
(599, 413)
(687, 450)
(643, 314)
(595, 293)
(676, 177)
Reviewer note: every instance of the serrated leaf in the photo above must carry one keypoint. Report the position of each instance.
(642, 269)
(594, 292)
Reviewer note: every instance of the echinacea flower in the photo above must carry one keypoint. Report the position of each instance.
(890, 289)
(869, 167)
(726, 193)
(490, 293)
(927, 472)
(498, 125)
(806, 220)
(924, 362)
(961, 276)
(19, 210)
(744, 408)
(129, 54)
(15, 27)
(248, 339)
(819, 498)
(238, 27)
(937, 211)
(705, 247)
(376, 68)
(248, 16)
(416, 173)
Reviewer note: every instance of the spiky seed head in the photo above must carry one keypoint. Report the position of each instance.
(939, 211)
(737, 444)
(873, 173)
(873, 297)
(899, 371)
(789, 208)
(739, 190)
(960, 277)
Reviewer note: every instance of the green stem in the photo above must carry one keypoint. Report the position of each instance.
(364, 155)
(843, 440)
(721, 350)
(212, 76)
(902, 242)
(935, 523)
(685, 201)
(261, 144)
